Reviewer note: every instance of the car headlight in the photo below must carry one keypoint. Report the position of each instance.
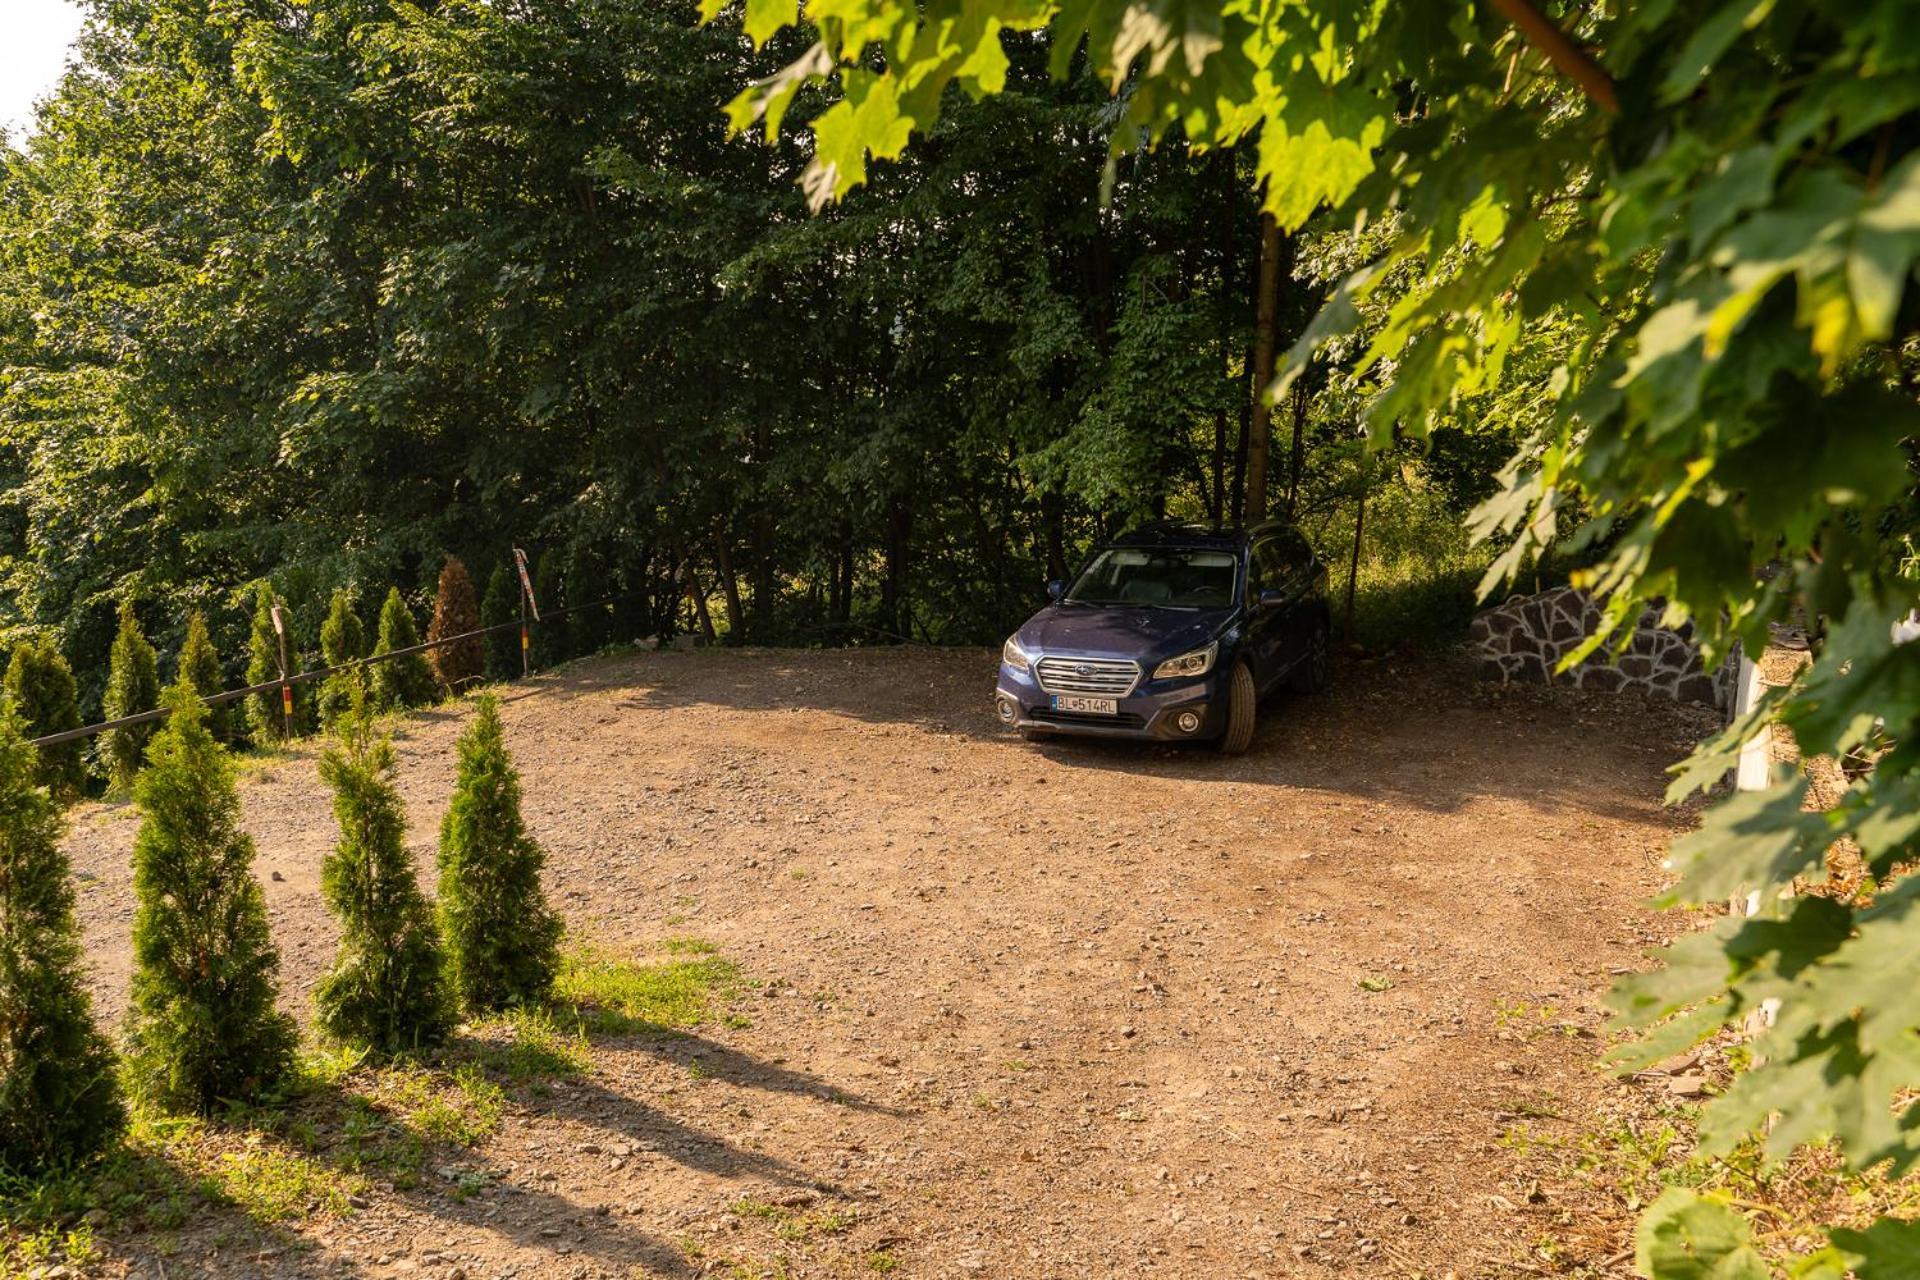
(1197, 663)
(1014, 656)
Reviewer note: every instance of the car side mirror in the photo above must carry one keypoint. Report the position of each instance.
(1056, 589)
(1271, 598)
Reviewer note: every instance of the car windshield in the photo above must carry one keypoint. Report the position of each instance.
(1158, 577)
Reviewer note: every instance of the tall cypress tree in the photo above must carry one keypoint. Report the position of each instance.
(405, 681)
(342, 639)
(502, 938)
(266, 721)
(40, 684)
(386, 989)
(59, 1102)
(203, 1025)
(589, 626)
(456, 612)
(549, 637)
(499, 606)
(133, 686)
(200, 668)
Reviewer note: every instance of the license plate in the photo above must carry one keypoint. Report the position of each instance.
(1086, 706)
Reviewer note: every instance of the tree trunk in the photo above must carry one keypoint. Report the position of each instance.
(1299, 460)
(893, 591)
(763, 575)
(1053, 515)
(698, 595)
(730, 586)
(1353, 568)
(1228, 222)
(846, 578)
(1266, 310)
(1240, 448)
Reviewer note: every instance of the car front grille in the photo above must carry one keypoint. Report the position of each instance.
(1125, 720)
(1108, 677)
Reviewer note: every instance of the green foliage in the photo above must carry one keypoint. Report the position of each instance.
(342, 637)
(40, 686)
(1687, 1236)
(133, 686)
(614, 994)
(203, 1027)
(406, 681)
(199, 666)
(502, 939)
(500, 605)
(59, 1103)
(342, 640)
(550, 636)
(266, 721)
(385, 989)
(455, 613)
(1690, 251)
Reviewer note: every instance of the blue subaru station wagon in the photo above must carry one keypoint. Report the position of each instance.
(1171, 633)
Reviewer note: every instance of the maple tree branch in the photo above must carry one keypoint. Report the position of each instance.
(1567, 57)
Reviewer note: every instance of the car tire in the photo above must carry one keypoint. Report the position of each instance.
(1241, 699)
(1314, 672)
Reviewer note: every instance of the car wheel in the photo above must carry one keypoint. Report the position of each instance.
(1241, 697)
(1314, 672)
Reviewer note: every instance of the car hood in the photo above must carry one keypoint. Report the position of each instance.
(1099, 631)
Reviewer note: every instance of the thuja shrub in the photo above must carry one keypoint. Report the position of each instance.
(40, 685)
(549, 637)
(59, 1103)
(266, 720)
(133, 686)
(502, 939)
(200, 668)
(499, 606)
(386, 989)
(342, 640)
(204, 1027)
(405, 681)
(456, 612)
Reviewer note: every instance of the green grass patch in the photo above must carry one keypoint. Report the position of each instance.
(532, 1045)
(615, 995)
(271, 1183)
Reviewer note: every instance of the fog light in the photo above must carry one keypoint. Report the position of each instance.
(1004, 708)
(1188, 722)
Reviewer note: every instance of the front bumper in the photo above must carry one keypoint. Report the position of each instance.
(1150, 713)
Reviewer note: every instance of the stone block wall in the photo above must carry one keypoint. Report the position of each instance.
(1525, 638)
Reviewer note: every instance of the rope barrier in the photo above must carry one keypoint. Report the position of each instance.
(319, 673)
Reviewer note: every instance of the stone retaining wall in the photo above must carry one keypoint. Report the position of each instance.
(1525, 638)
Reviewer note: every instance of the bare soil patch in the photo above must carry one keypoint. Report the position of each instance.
(1019, 1011)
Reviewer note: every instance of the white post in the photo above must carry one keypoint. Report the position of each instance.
(1756, 754)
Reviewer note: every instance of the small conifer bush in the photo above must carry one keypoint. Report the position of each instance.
(204, 1027)
(342, 639)
(456, 612)
(133, 686)
(59, 1102)
(400, 682)
(200, 667)
(550, 637)
(502, 939)
(266, 721)
(40, 684)
(499, 606)
(386, 989)
(589, 626)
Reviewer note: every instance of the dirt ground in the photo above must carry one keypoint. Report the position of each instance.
(1028, 1011)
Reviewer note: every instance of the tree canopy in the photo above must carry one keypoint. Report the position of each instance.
(1705, 219)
